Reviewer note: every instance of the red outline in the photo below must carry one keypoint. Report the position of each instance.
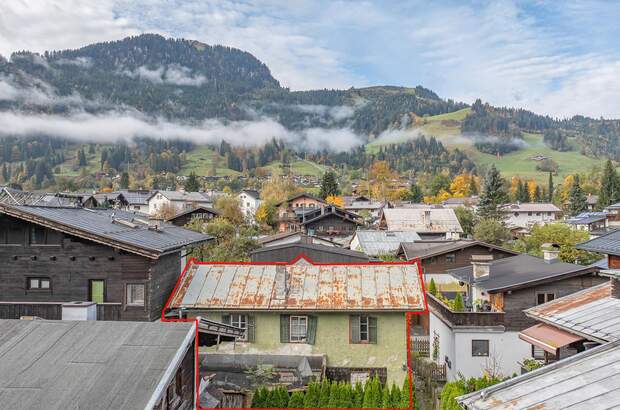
(408, 315)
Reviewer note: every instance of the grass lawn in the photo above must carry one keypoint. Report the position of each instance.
(299, 167)
(200, 160)
(519, 163)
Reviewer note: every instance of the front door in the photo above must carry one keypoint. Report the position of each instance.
(97, 290)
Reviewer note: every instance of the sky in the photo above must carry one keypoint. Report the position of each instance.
(558, 57)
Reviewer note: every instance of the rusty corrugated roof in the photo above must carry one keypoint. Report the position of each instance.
(592, 313)
(301, 286)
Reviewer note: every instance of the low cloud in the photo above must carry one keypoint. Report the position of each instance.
(41, 93)
(335, 113)
(173, 74)
(115, 126)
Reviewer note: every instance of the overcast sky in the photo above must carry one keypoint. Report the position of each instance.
(558, 57)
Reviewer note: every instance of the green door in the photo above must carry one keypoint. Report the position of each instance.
(97, 288)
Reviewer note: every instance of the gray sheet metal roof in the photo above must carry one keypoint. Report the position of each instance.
(85, 364)
(136, 197)
(530, 207)
(520, 271)
(301, 286)
(99, 224)
(587, 218)
(374, 243)
(421, 220)
(589, 380)
(182, 196)
(591, 313)
(426, 249)
(608, 244)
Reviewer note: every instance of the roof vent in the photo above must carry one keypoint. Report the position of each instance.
(124, 222)
(481, 265)
(551, 251)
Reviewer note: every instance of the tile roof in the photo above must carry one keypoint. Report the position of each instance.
(520, 271)
(110, 226)
(301, 285)
(374, 243)
(183, 196)
(608, 244)
(589, 380)
(425, 249)
(86, 364)
(592, 313)
(421, 220)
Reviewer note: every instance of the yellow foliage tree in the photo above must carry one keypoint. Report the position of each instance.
(531, 189)
(335, 200)
(460, 185)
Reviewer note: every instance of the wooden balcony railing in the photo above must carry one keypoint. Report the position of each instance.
(53, 310)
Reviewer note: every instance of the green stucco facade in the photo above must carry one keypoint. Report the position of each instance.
(332, 340)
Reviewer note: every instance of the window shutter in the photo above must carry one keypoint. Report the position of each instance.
(251, 329)
(354, 321)
(285, 328)
(312, 322)
(226, 319)
(372, 330)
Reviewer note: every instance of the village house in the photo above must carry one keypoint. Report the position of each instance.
(437, 257)
(249, 201)
(175, 202)
(353, 314)
(363, 205)
(290, 212)
(201, 213)
(485, 335)
(595, 223)
(428, 222)
(380, 243)
(527, 215)
(312, 250)
(579, 335)
(52, 255)
(468, 202)
(97, 364)
(329, 221)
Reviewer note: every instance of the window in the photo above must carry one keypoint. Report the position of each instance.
(479, 348)
(363, 329)
(529, 214)
(242, 322)
(136, 207)
(135, 294)
(450, 258)
(544, 298)
(299, 328)
(11, 235)
(39, 284)
(42, 236)
(516, 214)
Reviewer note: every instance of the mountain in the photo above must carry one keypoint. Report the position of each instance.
(150, 78)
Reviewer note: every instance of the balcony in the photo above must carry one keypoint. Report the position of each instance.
(465, 318)
(53, 310)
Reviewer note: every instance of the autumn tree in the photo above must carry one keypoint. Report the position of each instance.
(381, 179)
(335, 200)
(492, 231)
(228, 206)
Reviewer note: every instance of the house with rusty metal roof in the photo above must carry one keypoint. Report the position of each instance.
(354, 313)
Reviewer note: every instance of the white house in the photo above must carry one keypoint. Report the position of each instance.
(484, 337)
(527, 215)
(249, 201)
(179, 201)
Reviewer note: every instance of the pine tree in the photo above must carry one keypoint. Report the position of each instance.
(493, 195)
(550, 188)
(386, 400)
(124, 180)
(329, 185)
(358, 396)
(395, 396)
(473, 187)
(311, 399)
(334, 395)
(5, 173)
(538, 194)
(296, 401)
(459, 306)
(324, 394)
(346, 395)
(415, 193)
(610, 186)
(432, 288)
(405, 402)
(192, 184)
(257, 399)
(81, 158)
(576, 198)
(372, 394)
(521, 194)
(281, 398)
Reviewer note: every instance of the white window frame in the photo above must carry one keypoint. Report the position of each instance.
(128, 286)
(301, 321)
(241, 321)
(364, 321)
(38, 281)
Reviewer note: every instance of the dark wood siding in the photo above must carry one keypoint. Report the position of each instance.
(71, 265)
(332, 225)
(462, 258)
(519, 300)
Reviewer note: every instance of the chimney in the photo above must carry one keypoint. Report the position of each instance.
(550, 252)
(614, 279)
(281, 282)
(427, 217)
(79, 311)
(481, 265)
